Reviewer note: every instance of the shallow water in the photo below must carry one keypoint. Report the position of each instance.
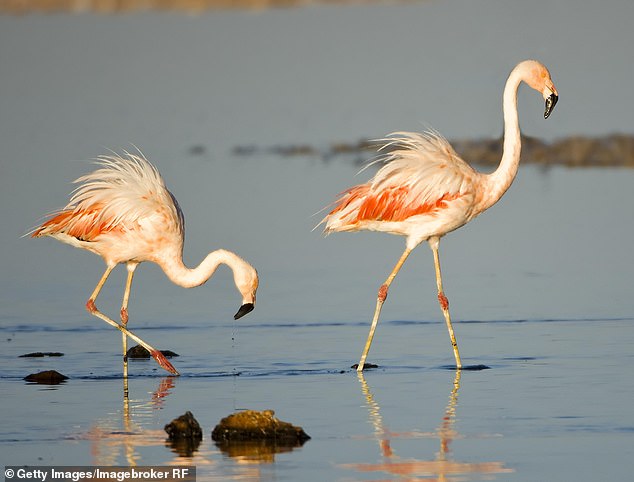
(540, 286)
(552, 406)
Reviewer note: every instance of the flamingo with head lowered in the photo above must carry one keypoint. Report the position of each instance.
(425, 190)
(124, 213)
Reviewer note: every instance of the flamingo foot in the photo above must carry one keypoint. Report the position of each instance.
(163, 362)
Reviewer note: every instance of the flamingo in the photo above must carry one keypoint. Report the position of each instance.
(424, 190)
(124, 213)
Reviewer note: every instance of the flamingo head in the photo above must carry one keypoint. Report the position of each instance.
(538, 77)
(247, 282)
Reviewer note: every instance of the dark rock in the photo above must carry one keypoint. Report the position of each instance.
(138, 351)
(184, 427)
(252, 425)
(48, 377)
(38, 354)
(169, 353)
(366, 366)
(184, 435)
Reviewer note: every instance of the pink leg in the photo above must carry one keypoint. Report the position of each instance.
(92, 309)
(444, 302)
(124, 315)
(380, 299)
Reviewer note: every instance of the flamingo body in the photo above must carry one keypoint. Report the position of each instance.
(424, 190)
(124, 213)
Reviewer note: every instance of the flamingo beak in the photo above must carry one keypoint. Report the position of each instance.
(244, 309)
(551, 100)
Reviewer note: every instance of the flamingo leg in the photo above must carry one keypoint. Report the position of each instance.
(102, 282)
(444, 302)
(124, 315)
(92, 309)
(381, 296)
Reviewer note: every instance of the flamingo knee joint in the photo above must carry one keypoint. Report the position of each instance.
(444, 302)
(90, 306)
(382, 295)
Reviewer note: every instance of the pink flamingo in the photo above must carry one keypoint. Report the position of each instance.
(425, 190)
(124, 213)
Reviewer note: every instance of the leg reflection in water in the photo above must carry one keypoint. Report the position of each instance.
(115, 438)
(443, 467)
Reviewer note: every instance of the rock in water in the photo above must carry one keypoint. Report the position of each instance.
(39, 354)
(184, 426)
(138, 351)
(251, 425)
(48, 377)
(366, 366)
(184, 434)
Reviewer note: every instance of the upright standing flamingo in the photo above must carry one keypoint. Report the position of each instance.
(425, 190)
(124, 213)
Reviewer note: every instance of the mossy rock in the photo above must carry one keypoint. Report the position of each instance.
(250, 425)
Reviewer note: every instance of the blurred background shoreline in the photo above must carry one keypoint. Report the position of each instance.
(127, 6)
(610, 149)
(616, 150)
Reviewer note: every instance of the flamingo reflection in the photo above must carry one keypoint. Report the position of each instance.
(443, 468)
(116, 438)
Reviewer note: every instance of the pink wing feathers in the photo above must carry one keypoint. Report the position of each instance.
(421, 174)
(113, 198)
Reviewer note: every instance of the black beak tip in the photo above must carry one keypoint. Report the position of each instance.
(244, 309)
(550, 105)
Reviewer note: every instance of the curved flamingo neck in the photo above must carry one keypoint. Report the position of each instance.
(181, 275)
(500, 180)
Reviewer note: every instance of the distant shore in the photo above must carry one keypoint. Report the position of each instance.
(616, 150)
(126, 6)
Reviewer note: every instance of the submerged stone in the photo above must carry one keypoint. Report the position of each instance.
(184, 427)
(138, 351)
(39, 354)
(366, 366)
(48, 377)
(466, 368)
(184, 435)
(252, 425)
